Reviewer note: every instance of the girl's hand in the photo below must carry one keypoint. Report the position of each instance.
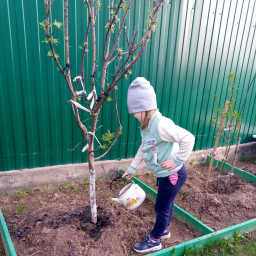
(127, 176)
(169, 165)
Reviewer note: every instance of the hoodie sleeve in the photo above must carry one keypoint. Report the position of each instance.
(136, 161)
(170, 132)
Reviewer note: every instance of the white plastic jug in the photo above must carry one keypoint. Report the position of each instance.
(131, 196)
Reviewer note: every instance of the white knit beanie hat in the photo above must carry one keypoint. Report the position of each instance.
(141, 96)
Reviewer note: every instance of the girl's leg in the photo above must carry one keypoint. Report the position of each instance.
(165, 200)
(182, 176)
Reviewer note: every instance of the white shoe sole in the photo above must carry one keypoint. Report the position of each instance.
(166, 236)
(156, 248)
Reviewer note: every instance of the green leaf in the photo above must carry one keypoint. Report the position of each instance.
(50, 54)
(45, 41)
(54, 40)
(120, 51)
(56, 56)
(172, 251)
(108, 137)
(57, 24)
(111, 28)
(98, 5)
(104, 146)
(230, 76)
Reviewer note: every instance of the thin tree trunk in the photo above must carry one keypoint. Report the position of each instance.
(216, 142)
(92, 171)
(236, 154)
(234, 163)
(92, 187)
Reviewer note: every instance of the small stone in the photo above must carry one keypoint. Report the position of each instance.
(50, 222)
(46, 230)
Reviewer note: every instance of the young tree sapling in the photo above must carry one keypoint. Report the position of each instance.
(113, 53)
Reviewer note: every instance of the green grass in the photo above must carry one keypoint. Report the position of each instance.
(20, 195)
(21, 208)
(63, 186)
(75, 189)
(238, 245)
(85, 183)
(99, 179)
(42, 200)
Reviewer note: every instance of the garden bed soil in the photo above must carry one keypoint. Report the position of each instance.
(57, 222)
(1, 248)
(247, 166)
(216, 210)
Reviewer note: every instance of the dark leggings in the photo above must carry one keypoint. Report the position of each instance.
(165, 201)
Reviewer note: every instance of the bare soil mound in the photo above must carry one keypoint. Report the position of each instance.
(57, 222)
(217, 210)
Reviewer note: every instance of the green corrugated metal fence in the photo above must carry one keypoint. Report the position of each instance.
(197, 44)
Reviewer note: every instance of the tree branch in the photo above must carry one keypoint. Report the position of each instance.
(107, 39)
(145, 39)
(67, 47)
(48, 35)
(106, 45)
(84, 51)
(119, 31)
(48, 5)
(92, 16)
(117, 133)
(107, 59)
(108, 55)
(73, 95)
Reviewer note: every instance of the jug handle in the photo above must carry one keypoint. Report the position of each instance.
(119, 178)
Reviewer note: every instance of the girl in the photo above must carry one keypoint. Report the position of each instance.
(165, 147)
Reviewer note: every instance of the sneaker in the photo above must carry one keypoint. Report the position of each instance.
(147, 245)
(166, 234)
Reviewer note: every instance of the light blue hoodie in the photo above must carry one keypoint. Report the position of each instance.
(156, 150)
